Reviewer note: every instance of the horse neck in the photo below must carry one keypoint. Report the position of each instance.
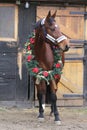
(43, 52)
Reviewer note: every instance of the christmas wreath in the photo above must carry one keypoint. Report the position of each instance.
(33, 65)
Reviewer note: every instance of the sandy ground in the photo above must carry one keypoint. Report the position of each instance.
(26, 119)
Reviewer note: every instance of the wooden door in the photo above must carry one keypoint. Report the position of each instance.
(8, 51)
(16, 23)
(72, 25)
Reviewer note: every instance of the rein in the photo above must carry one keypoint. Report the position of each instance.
(49, 37)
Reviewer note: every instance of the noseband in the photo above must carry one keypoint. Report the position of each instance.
(55, 41)
(49, 37)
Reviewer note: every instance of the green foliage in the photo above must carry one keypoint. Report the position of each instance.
(33, 65)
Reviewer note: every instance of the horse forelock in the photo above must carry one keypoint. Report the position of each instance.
(41, 22)
(38, 24)
(50, 20)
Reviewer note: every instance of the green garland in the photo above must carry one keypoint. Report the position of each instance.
(33, 65)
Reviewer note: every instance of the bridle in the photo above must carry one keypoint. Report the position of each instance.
(49, 37)
(55, 41)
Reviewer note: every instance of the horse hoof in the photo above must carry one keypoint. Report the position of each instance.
(40, 119)
(58, 122)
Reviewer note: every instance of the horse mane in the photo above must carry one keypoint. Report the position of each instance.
(39, 36)
(38, 23)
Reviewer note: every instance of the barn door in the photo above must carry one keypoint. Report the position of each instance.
(72, 25)
(71, 84)
(8, 51)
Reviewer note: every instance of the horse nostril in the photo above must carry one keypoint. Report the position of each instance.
(66, 48)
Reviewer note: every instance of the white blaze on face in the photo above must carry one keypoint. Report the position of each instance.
(43, 105)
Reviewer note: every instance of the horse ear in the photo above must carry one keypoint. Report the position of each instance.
(49, 14)
(54, 15)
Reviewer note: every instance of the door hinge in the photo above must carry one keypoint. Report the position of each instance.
(78, 13)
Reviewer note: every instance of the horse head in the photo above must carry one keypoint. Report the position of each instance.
(52, 33)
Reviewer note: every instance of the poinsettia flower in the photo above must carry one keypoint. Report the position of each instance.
(45, 73)
(57, 76)
(29, 57)
(35, 70)
(28, 48)
(58, 65)
(32, 40)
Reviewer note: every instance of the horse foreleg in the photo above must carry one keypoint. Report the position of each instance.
(41, 93)
(41, 99)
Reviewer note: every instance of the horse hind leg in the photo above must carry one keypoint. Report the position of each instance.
(52, 110)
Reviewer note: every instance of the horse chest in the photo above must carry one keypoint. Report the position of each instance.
(47, 58)
(49, 55)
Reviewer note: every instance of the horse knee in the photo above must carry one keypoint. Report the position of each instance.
(53, 97)
(41, 97)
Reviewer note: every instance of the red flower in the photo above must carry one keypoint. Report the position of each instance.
(35, 70)
(56, 76)
(29, 57)
(45, 73)
(32, 40)
(28, 48)
(58, 65)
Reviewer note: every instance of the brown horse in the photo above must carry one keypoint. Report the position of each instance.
(48, 38)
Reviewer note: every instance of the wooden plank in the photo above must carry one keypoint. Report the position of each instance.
(70, 27)
(85, 62)
(69, 85)
(73, 96)
(8, 76)
(7, 89)
(74, 59)
(8, 47)
(86, 25)
(71, 80)
(16, 24)
(62, 1)
(70, 102)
